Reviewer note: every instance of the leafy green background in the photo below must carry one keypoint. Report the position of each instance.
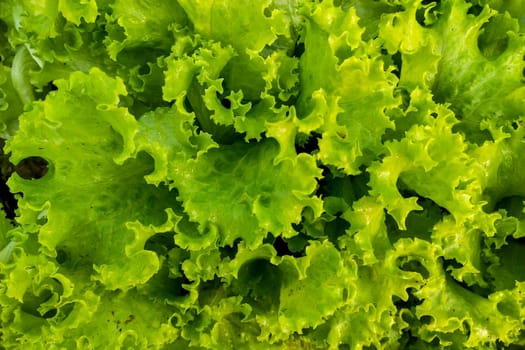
(277, 174)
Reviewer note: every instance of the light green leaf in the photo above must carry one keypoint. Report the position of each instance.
(99, 133)
(241, 200)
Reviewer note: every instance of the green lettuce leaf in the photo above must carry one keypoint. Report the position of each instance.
(104, 142)
(241, 199)
(341, 75)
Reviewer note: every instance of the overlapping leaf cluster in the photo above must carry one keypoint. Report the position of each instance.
(277, 174)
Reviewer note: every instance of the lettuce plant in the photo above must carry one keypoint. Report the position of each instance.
(273, 174)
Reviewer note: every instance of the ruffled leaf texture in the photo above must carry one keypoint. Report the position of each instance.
(277, 174)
